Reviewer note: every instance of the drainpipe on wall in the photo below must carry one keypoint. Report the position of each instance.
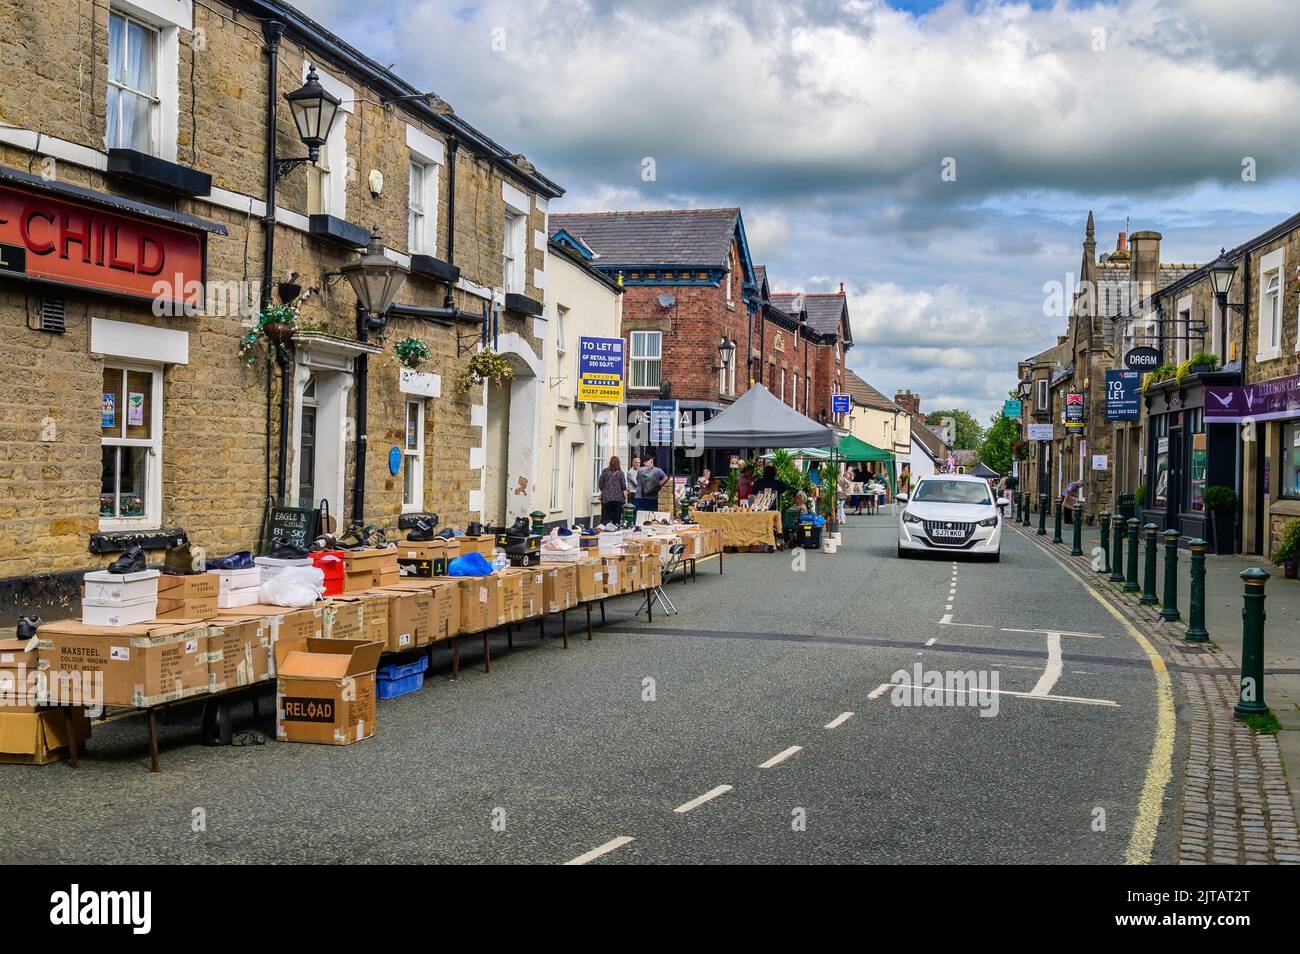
(363, 382)
(452, 145)
(272, 30)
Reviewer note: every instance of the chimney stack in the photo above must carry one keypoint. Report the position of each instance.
(1145, 247)
(1121, 243)
(909, 402)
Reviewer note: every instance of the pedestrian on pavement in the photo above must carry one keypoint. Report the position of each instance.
(1071, 499)
(633, 466)
(612, 487)
(648, 481)
(842, 486)
(745, 483)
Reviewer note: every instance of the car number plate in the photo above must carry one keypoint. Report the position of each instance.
(948, 532)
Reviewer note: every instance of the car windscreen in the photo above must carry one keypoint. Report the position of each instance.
(952, 491)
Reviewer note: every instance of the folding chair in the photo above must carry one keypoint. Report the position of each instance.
(670, 566)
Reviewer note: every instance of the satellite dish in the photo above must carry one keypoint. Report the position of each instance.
(666, 300)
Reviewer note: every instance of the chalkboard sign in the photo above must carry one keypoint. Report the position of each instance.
(294, 524)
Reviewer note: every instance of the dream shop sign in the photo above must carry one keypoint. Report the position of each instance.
(59, 240)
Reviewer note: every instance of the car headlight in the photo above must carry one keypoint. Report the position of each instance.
(989, 522)
(910, 517)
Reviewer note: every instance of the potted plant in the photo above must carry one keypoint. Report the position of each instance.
(1221, 504)
(1287, 554)
(486, 365)
(1203, 362)
(1139, 498)
(411, 353)
(275, 325)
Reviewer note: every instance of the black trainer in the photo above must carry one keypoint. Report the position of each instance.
(284, 550)
(132, 561)
(28, 625)
(422, 531)
(475, 529)
(447, 533)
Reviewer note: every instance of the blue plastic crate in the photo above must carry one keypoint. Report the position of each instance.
(392, 688)
(402, 670)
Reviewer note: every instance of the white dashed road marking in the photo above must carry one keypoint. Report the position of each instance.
(604, 849)
(781, 756)
(1053, 671)
(932, 640)
(700, 800)
(879, 691)
(838, 721)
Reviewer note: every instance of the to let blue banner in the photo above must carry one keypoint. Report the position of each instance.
(1123, 402)
(600, 370)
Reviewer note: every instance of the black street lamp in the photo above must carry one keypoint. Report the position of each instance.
(726, 353)
(314, 109)
(1222, 272)
(375, 278)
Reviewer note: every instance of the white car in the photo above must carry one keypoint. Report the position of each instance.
(953, 513)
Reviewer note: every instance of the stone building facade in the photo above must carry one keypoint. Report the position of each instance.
(169, 154)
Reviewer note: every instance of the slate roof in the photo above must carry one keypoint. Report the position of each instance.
(864, 395)
(932, 442)
(824, 313)
(760, 275)
(784, 301)
(664, 237)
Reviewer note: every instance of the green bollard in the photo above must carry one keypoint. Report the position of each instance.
(1251, 701)
(1149, 597)
(1076, 548)
(1042, 515)
(1131, 584)
(1020, 502)
(1117, 554)
(1196, 632)
(1104, 520)
(1170, 610)
(1025, 522)
(1056, 534)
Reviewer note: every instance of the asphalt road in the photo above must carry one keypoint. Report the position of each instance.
(681, 736)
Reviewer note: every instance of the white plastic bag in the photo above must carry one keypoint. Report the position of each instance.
(294, 586)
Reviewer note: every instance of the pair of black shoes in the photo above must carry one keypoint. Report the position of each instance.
(421, 532)
(28, 625)
(132, 561)
(475, 529)
(284, 550)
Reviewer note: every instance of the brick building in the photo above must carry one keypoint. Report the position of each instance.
(694, 302)
(147, 144)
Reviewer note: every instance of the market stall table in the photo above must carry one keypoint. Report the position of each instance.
(742, 528)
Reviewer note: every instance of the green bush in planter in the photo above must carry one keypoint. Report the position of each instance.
(1288, 550)
(1218, 497)
(1140, 495)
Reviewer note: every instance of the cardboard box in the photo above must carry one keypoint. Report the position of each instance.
(110, 589)
(325, 690)
(613, 575)
(399, 609)
(202, 607)
(20, 682)
(341, 619)
(480, 603)
(651, 574)
(485, 544)
(534, 599)
(141, 665)
(230, 580)
(559, 586)
(512, 594)
(423, 558)
(279, 622)
(416, 599)
(38, 738)
(238, 654)
(233, 599)
(119, 613)
(188, 586)
(590, 580)
(446, 591)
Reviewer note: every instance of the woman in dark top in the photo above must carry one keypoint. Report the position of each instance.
(612, 487)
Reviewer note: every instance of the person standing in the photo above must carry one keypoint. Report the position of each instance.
(648, 481)
(745, 483)
(1070, 499)
(633, 466)
(612, 487)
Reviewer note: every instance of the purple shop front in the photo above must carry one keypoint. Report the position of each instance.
(1266, 401)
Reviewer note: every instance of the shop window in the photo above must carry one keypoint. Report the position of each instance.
(1160, 473)
(133, 103)
(1194, 428)
(130, 494)
(417, 218)
(1291, 460)
(1269, 337)
(647, 355)
(413, 457)
(601, 455)
(1041, 402)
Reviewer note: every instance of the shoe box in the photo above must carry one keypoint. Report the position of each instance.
(590, 579)
(424, 558)
(486, 544)
(481, 605)
(325, 690)
(21, 686)
(369, 568)
(140, 665)
(330, 563)
(559, 586)
(38, 738)
(119, 599)
(269, 567)
(238, 588)
(188, 596)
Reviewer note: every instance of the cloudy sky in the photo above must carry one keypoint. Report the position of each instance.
(830, 124)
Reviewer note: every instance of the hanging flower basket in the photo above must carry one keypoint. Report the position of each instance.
(275, 326)
(412, 353)
(486, 365)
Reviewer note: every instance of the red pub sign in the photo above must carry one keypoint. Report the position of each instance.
(65, 241)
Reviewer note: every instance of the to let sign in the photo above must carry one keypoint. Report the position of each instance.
(1122, 401)
(59, 240)
(600, 369)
